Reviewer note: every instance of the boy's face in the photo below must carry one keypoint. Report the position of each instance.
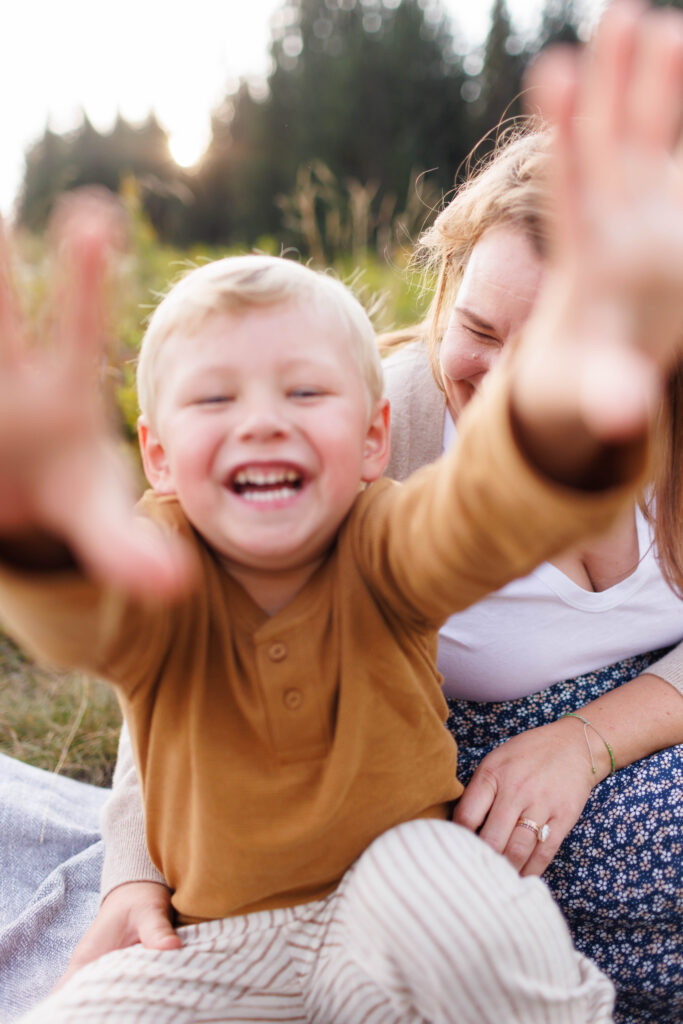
(263, 433)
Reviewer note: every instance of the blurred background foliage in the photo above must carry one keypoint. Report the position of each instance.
(364, 125)
(369, 110)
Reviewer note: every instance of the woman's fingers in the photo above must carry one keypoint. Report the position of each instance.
(489, 808)
(509, 829)
(539, 776)
(543, 854)
(476, 802)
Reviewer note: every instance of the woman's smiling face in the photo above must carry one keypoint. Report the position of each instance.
(496, 296)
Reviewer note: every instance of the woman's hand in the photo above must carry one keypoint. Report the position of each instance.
(545, 775)
(61, 471)
(134, 912)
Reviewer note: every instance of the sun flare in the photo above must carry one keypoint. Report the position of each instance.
(187, 145)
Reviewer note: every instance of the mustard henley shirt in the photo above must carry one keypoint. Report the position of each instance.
(273, 750)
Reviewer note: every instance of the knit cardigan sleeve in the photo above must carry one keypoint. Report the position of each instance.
(670, 668)
(122, 821)
(418, 410)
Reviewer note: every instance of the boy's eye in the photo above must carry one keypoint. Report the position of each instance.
(214, 400)
(305, 392)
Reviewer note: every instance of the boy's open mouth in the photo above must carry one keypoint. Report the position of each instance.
(266, 483)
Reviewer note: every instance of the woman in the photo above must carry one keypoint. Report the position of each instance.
(617, 870)
(608, 815)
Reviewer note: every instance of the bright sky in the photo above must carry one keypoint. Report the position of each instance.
(138, 55)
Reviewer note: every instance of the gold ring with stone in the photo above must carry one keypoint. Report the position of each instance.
(542, 831)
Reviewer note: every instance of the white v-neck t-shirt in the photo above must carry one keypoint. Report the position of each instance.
(543, 627)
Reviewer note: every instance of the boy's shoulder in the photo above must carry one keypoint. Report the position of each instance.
(166, 512)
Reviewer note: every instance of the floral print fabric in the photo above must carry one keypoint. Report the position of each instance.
(618, 875)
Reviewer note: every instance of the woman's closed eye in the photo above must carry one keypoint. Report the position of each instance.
(489, 339)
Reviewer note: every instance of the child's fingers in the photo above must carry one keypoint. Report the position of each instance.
(607, 70)
(125, 551)
(124, 555)
(656, 93)
(552, 89)
(86, 229)
(620, 390)
(84, 496)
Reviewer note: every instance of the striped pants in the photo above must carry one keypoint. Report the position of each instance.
(428, 925)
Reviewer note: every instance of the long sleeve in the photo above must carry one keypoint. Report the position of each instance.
(670, 668)
(418, 410)
(477, 518)
(126, 858)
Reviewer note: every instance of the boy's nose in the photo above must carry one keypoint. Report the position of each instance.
(262, 424)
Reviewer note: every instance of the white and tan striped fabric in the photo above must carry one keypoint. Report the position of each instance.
(428, 925)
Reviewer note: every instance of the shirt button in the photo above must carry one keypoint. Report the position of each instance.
(277, 652)
(292, 699)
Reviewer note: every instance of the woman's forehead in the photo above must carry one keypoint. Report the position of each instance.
(503, 271)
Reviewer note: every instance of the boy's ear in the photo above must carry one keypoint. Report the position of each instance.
(154, 459)
(376, 448)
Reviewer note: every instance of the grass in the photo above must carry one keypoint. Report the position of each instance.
(64, 722)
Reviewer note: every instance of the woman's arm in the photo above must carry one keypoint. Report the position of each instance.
(546, 774)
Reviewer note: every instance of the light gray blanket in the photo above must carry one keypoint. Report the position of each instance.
(50, 865)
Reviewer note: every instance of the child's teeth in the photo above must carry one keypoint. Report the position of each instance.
(279, 495)
(260, 478)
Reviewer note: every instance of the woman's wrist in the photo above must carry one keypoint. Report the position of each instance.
(594, 756)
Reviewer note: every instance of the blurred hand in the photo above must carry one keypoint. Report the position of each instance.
(61, 471)
(131, 913)
(543, 774)
(609, 321)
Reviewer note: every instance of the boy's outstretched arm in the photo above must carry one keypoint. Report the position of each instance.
(65, 490)
(608, 325)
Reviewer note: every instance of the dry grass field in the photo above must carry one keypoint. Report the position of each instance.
(63, 722)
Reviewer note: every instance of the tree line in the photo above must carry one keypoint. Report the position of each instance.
(370, 110)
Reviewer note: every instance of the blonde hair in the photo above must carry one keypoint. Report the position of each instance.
(508, 187)
(511, 187)
(238, 284)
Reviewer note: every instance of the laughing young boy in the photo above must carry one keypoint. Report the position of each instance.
(285, 711)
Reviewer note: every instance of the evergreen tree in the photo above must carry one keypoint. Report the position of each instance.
(85, 156)
(370, 90)
(559, 23)
(501, 77)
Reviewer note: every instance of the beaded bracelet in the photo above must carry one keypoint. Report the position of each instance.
(586, 723)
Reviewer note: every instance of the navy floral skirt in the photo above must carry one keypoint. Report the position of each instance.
(618, 875)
